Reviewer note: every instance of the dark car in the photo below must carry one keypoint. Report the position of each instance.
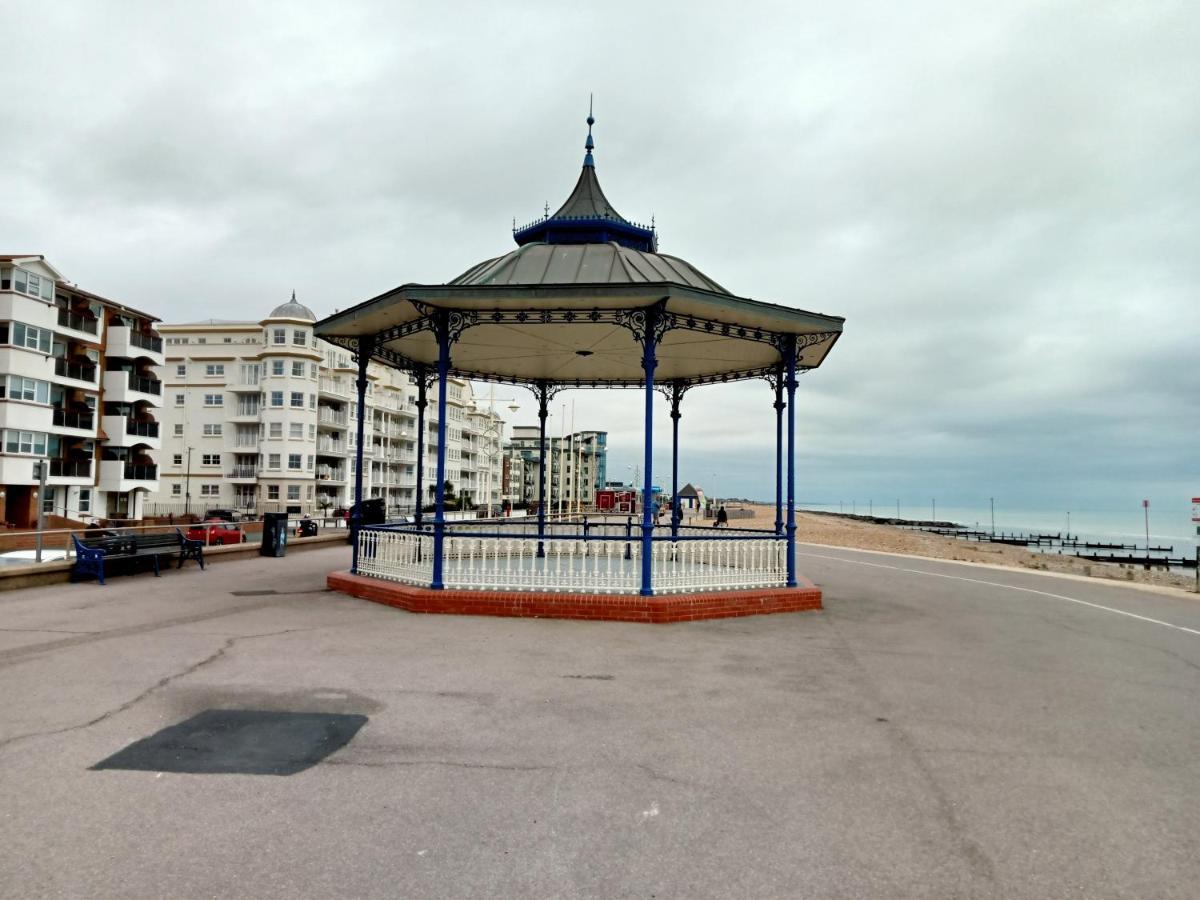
(224, 515)
(216, 531)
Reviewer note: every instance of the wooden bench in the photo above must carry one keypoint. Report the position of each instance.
(93, 554)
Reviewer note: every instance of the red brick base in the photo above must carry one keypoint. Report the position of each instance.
(611, 607)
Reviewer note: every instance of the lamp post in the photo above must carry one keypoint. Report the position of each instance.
(187, 484)
(493, 433)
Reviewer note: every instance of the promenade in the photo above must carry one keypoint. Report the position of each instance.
(939, 730)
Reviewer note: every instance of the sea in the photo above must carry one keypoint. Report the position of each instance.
(1169, 527)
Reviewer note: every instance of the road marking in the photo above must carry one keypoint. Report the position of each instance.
(1011, 587)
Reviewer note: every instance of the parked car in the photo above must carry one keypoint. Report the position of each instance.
(224, 515)
(218, 531)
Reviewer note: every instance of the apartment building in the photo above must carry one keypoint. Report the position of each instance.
(77, 390)
(577, 467)
(262, 416)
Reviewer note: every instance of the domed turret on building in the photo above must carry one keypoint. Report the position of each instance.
(293, 310)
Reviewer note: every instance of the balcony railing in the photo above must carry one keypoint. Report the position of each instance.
(68, 319)
(244, 472)
(141, 473)
(82, 420)
(328, 417)
(325, 473)
(144, 385)
(67, 468)
(146, 341)
(80, 371)
(141, 429)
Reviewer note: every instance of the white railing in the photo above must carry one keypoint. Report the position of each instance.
(608, 561)
(396, 555)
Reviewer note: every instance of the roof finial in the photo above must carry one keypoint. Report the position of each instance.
(589, 146)
(293, 295)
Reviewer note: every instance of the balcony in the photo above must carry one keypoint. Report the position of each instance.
(130, 344)
(122, 475)
(243, 473)
(246, 411)
(328, 473)
(75, 421)
(328, 417)
(85, 372)
(334, 386)
(85, 327)
(121, 431)
(71, 469)
(127, 387)
(325, 445)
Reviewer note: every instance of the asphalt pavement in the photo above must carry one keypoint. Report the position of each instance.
(939, 730)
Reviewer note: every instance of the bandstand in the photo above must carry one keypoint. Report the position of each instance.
(584, 301)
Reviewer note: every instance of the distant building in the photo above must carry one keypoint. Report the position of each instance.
(77, 389)
(576, 467)
(262, 416)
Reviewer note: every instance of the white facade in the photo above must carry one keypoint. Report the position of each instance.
(262, 416)
(79, 392)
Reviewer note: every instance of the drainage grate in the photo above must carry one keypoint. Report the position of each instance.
(265, 593)
(241, 742)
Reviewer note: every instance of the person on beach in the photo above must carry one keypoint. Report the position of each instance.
(722, 517)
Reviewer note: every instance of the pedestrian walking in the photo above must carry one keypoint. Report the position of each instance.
(722, 517)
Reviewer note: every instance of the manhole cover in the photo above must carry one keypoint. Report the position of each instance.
(241, 742)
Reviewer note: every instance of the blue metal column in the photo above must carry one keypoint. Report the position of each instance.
(649, 363)
(422, 402)
(676, 397)
(365, 345)
(779, 407)
(790, 364)
(543, 395)
(442, 330)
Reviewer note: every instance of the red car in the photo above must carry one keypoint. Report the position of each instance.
(218, 531)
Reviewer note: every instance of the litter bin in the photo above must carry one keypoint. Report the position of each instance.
(308, 528)
(274, 535)
(374, 512)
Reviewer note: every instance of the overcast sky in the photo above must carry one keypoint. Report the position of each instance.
(1003, 200)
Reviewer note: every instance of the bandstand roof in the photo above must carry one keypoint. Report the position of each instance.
(565, 305)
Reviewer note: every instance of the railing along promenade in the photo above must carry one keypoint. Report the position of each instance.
(596, 556)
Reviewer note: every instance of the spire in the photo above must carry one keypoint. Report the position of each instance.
(589, 146)
(293, 295)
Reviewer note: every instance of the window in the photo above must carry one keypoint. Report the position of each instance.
(181, 371)
(310, 462)
(312, 432)
(278, 335)
(179, 399)
(309, 492)
(296, 430)
(48, 501)
(277, 398)
(312, 401)
(312, 370)
(293, 460)
(212, 430)
(176, 490)
(29, 389)
(210, 459)
(178, 430)
(177, 459)
(299, 338)
(277, 367)
(272, 460)
(28, 442)
(272, 492)
(276, 429)
(33, 285)
(293, 492)
(214, 399)
(31, 338)
(298, 399)
(297, 369)
(213, 369)
(85, 500)
(210, 490)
